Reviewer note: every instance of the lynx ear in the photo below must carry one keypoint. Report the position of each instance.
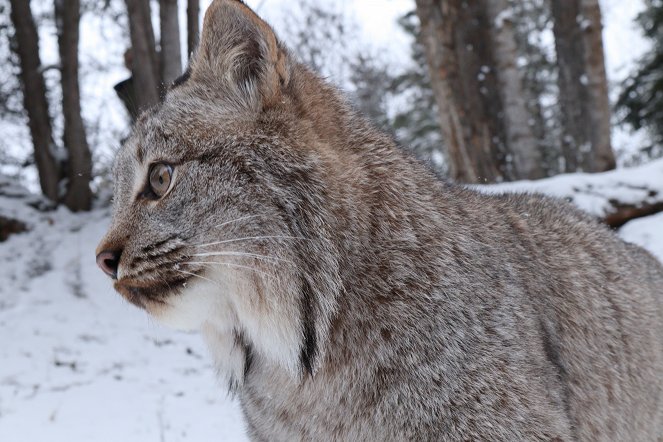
(240, 52)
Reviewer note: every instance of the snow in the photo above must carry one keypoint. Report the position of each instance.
(505, 15)
(81, 364)
(593, 192)
(646, 232)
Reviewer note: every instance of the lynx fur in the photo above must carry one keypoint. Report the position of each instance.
(347, 294)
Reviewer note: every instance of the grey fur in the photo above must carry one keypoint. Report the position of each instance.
(368, 300)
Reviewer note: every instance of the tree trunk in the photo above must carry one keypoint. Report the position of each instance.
(171, 53)
(603, 157)
(144, 56)
(79, 167)
(572, 92)
(193, 25)
(456, 37)
(582, 86)
(34, 98)
(518, 122)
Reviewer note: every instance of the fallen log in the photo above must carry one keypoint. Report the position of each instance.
(615, 197)
(624, 213)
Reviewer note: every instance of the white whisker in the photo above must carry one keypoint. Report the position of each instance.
(248, 255)
(249, 238)
(194, 274)
(210, 263)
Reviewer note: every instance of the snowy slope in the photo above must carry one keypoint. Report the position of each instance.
(592, 192)
(80, 364)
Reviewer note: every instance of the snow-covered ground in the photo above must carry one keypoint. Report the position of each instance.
(595, 192)
(77, 363)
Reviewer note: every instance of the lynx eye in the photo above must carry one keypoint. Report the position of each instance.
(160, 177)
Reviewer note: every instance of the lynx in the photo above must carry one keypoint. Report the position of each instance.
(346, 293)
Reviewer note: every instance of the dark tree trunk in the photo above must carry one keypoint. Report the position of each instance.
(583, 93)
(602, 156)
(193, 25)
(457, 41)
(144, 60)
(171, 53)
(34, 98)
(79, 167)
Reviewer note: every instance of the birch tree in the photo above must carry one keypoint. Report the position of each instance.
(518, 121)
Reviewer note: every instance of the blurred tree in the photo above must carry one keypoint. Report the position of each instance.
(518, 122)
(10, 87)
(152, 70)
(79, 161)
(398, 100)
(126, 89)
(641, 100)
(372, 84)
(193, 25)
(415, 121)
(170, 57)
(456, 35)
(319, 33)
(34, 98)
(536, 61)
(583, 88)
(144, 63)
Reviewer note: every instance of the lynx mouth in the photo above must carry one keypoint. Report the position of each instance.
(141, 293)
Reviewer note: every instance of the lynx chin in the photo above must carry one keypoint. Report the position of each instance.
(347, 294)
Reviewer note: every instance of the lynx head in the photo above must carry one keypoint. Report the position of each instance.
(221, 211)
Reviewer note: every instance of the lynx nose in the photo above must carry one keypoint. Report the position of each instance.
(108, 261)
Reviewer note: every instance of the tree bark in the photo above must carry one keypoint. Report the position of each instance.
(582, 86)
(193, 25)
(34, 98)
(171, 53)
(79, 166)
(572, 93)
(603, 157)
(144, 56)
(518, 122)
(455, 35)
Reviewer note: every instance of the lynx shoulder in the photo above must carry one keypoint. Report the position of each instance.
(347, 294)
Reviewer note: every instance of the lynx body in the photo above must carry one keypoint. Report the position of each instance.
(347, 294)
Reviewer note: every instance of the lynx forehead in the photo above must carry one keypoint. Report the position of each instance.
(347, 294)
